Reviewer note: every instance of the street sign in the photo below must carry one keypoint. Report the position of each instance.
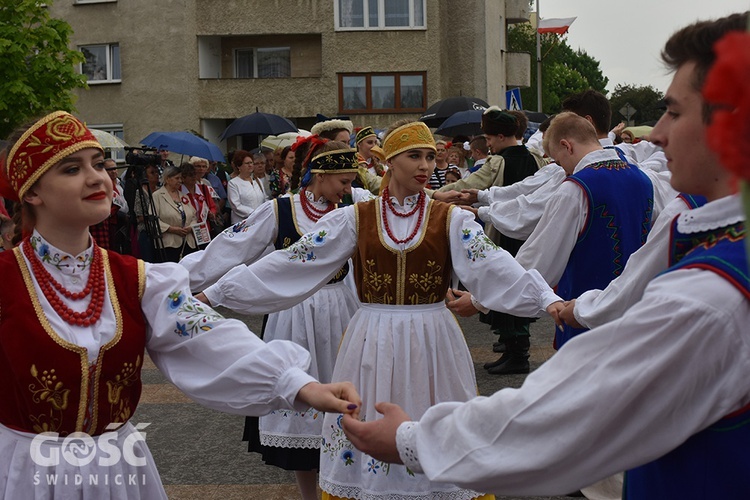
(628, 111)
(513, 99)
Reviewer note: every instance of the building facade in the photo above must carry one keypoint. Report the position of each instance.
(199, 64)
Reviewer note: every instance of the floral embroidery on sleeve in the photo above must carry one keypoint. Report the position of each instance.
(477, 244)
(302, 250)
(193, 316)
(241, 227)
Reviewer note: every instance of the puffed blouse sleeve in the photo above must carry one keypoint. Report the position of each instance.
(241, 243)
(217, 362)
(286, 277)
(491, 274)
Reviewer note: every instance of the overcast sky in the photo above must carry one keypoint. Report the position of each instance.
(627, 37)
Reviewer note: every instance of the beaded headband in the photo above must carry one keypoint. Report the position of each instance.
(363, 134)
(410, 136)
(338, 161)
(45, 143)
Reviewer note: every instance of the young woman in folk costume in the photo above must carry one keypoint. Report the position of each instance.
(75, 323)
(402, 344)
(291, 439)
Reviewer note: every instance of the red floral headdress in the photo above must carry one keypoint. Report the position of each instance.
(45, 143)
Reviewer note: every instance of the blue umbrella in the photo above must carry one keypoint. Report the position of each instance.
(259, 124)
(462, 123)
(184, 143)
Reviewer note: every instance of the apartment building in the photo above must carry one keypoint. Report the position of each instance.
(199, 64)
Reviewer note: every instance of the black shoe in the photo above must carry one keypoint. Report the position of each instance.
(515, 364)
(498, 346)
(502, 359)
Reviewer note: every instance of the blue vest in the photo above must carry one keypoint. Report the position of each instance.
(288, 233)
(714, 463)
(620, 203)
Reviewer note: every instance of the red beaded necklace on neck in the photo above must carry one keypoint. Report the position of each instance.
(388, 204)
(49, 286)
(310, 210)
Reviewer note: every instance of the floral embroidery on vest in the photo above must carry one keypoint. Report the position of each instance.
(426, 282)
(50, 390)
(374, 283)
(120, 408)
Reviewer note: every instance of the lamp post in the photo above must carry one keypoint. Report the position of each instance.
(538, 62)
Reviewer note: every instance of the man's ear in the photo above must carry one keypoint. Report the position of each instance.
(564, 143)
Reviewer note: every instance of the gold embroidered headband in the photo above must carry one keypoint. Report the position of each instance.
(410, 136)
(338, 161)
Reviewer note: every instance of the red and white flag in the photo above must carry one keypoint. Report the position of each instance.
(557, 25)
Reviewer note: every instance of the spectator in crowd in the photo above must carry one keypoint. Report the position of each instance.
(176, 216)
(245, 192)
(199, 195)
(280, 178)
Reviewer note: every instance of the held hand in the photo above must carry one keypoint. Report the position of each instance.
(338, 397)
(618, 128)
(202, 297)
(469, 196)
(554, 310)
(447, 196)
(567, 316)
(460, 303)
(378, 438)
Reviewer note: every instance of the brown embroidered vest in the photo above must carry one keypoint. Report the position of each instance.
(47, 382)
(419, 275)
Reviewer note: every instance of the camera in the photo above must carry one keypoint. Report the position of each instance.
(142, 156)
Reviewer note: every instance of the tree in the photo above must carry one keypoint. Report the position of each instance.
(38, 70)
(565, 71)
(644, 99)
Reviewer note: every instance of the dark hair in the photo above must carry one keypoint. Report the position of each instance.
(187, 169)
(695, 43)
(591, 103)
(285, 152)
(523, 122)
(545, 124)
(238, 156)
(480, 142)
(331, 134)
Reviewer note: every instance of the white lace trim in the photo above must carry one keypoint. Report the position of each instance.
(356, 492)
(720, 213)
(309, 442)
(406, 442)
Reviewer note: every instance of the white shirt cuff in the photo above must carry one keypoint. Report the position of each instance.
(484, 213)
(478, 305)
(406, 442)
(482, 197)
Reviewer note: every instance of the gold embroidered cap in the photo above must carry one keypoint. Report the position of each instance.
(338, 161)
(45, 143)
(363, 134)
(410, 136)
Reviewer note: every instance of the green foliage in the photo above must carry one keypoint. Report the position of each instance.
(643, 98)
(38, 70)
(564, 71)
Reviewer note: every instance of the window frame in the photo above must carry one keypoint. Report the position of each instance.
(368, 93)
(255, 50)
(109, 58)
(113, 128)
(381, 17)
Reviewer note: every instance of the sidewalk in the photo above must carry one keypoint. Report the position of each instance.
(199, 452)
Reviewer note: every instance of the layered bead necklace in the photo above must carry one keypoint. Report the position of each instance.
(310, 210)
(50, 288)
(418, 207)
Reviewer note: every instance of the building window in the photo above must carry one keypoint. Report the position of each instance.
(102, 63)
(379, 14)
(382, 93)
(269, 62)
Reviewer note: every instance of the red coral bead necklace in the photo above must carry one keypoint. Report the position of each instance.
(50, 288)
(388, 204)
(310, 210)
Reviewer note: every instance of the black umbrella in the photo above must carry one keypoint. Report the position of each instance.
(259, 124)
(535, 116)
(441, 110)
(462, 123)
